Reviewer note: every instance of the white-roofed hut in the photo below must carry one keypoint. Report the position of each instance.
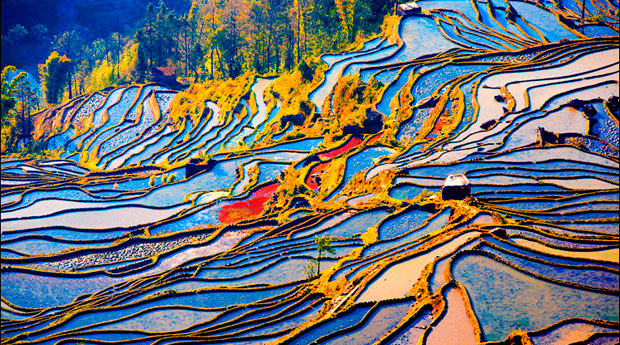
(408, 9)
(456, 187)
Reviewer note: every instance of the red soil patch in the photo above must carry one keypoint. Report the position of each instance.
(248, 208)
(317, 171)
(442, 122)
(344, 148)
(375, 139)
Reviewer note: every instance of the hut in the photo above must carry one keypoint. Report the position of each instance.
(408, 9)
(456, 187)
(165, 76)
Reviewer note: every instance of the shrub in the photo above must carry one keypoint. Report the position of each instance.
(172, 178)
(307, 72)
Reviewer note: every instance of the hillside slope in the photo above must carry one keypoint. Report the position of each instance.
(206, 206)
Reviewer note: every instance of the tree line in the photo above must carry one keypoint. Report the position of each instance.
(220, 39)
(224, 38)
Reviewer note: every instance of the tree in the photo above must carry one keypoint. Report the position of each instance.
(16, 33)
(8, 97)
(27, 101)
(74, 43)
(323, 245)
(307, 72)
(102, 76)
(147, 37)
(127, 67)
(18, 97)
(255, 29)
(54, 76)
(142, 64)
(229, 40)
(40, 33)
(117, 48)
(210, 14)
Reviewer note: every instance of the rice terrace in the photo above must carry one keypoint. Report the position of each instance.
(439, 172)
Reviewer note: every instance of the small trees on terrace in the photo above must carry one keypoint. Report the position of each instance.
(323, 245)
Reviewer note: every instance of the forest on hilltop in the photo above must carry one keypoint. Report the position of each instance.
(215, 39)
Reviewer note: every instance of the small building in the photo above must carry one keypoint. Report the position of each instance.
(408, 9)
(456, 187)
(166, 76)
(163, 73)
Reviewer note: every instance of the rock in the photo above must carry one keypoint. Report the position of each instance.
(512, 14)
(546, 137)
(427, 102)
(613, 103)
(192, 168)
(589, 110)
(373, 122)
(568, 22)
(371, 125)
(489, 124)
(294, 119)
(499, 232)
(311, 159)
(576, 103)
(299, 202)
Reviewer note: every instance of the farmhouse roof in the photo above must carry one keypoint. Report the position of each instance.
(456, 181)
(408, 8)
(166, 71)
